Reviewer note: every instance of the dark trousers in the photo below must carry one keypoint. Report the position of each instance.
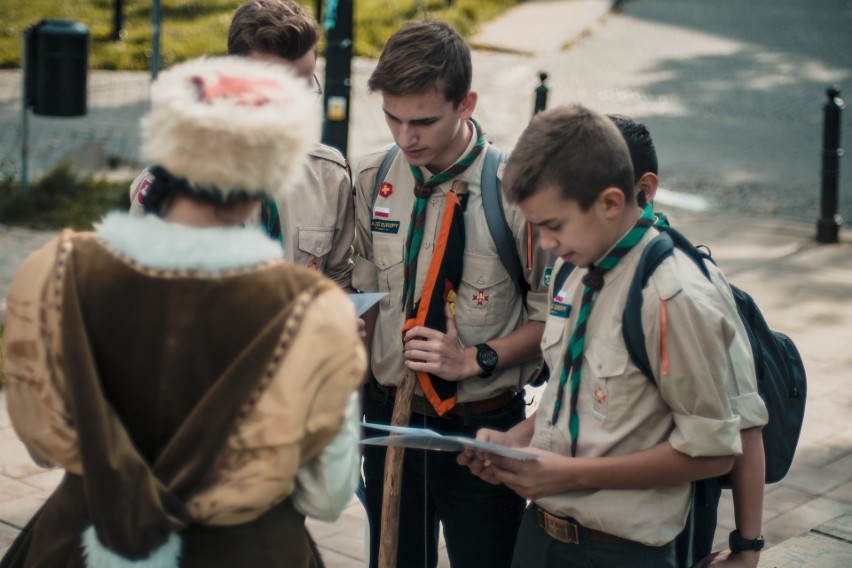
(536, 549)
(480, 520)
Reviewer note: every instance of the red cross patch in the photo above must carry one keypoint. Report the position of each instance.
(386, 189)
(480, 298)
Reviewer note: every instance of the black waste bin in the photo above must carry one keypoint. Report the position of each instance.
(57, 67)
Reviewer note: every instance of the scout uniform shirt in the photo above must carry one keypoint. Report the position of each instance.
(621, 412)
(488, 304)
(316, 214)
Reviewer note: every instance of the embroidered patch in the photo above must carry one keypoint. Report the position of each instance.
(559, 307)
(382, 226)
(383, 212)
(480, 299)
(386, 189)
(560, 310)
(545, 279)
(601, 399)
(144, 188)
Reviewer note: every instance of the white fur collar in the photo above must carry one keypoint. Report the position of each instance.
(155, 243)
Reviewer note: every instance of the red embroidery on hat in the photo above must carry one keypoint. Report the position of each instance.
(386, 189)
(144, 188)
(242, 91)
(480, 298)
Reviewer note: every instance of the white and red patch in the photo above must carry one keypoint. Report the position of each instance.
(386, 189)
(481, 298)
(144, 188)
(383, 212)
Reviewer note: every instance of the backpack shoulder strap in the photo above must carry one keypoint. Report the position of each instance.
(495, 217)
(660, 247)
(561, 276)
(383, 171)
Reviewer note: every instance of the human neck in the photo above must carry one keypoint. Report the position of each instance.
(455, 150)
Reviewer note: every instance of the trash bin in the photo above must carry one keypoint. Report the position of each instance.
(57, 67)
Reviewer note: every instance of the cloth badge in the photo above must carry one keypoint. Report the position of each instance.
(601, 400)
(480, 299)
(144, 188)
(383, 212)
(382, 226)
(545, 279)
(386, 189)
(558, 307)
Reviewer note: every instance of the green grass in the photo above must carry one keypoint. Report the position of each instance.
(61, 199)
(196, 27)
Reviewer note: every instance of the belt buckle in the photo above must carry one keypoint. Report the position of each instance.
(561, 529)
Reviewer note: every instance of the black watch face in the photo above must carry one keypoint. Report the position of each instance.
(488, 358)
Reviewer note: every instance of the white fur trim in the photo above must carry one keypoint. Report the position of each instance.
(97, 555)
(227, 142)
(155, 243)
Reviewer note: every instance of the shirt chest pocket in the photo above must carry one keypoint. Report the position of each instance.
(315, 244)
(606, 387)
(387, 256)
(552, 347)
(485, 295)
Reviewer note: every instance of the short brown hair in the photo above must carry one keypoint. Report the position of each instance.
(422, 56)
(275, 27)
(573, 148)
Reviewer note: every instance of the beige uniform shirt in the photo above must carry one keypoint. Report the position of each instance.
(488, 304)
(621, 412)
(316, 216)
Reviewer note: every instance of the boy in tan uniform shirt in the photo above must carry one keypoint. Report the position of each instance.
(317, 226)
(424, 76)
(617, 454)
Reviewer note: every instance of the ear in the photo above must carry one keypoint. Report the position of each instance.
(648, 185)
(611, 202)
(468, 105)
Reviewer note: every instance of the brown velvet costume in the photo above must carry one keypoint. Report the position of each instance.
(153, 388)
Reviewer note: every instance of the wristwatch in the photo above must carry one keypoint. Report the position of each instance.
(486, 358)
(739, 543)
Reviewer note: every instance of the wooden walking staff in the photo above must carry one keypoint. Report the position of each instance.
(401, 416)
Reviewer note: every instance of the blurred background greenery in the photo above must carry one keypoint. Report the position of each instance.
(197, 27)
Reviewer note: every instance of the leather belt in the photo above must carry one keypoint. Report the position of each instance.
(568, 530)
(420, 405)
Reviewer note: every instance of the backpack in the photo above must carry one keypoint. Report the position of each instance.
(780, 373)
(495, 217)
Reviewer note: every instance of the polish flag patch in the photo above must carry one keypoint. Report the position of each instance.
(559, 297)
(383, 212)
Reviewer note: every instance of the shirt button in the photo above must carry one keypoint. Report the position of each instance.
(480, 280)
(428, 245)
(434, 200)
(382, 261)
(319, 250)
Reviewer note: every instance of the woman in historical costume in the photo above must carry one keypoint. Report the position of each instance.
(196, 388)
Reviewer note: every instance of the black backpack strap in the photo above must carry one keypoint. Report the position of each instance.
(655, 253)
(383, 171)
(561, 276)
(495, 217)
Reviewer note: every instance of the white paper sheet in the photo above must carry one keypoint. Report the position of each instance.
(365, 301)
(425, 439)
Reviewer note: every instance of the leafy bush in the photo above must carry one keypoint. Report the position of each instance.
(61, 199)
(199, 27)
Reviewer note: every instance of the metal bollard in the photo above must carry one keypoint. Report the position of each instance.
(828, 225)
(541, 94)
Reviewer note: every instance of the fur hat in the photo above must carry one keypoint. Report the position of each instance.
(230, 124)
